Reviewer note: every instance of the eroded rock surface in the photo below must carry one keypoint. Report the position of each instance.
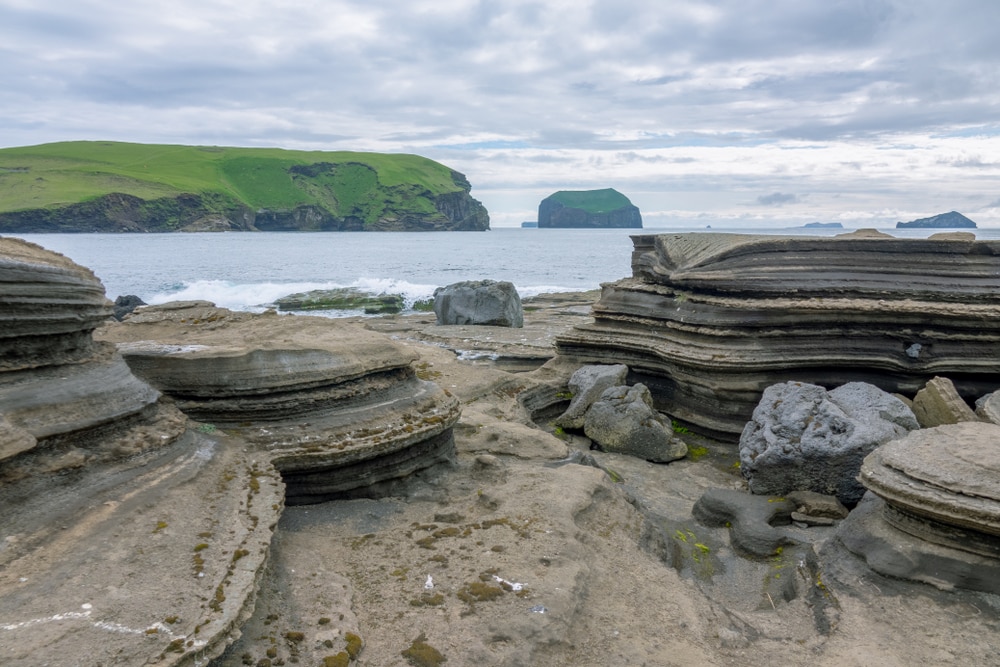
(803, 437)
(708, 321)
(623, 420)
(479, 302)
(336, 409)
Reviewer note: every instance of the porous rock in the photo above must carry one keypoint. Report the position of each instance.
(803, 437)
(708, 321)
(587, 384)
(623, 420)
(481, 302)
(939, 403)
(125, 304)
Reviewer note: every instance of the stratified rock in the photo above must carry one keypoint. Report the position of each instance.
(587, 384)
(345, 298)
(125, 304)
(588, 208)
(708, 321)
(805, 438)
(988, 407)
(481, 302)
(622, 420)
(936, 517)
(938, 403)
(338, 410)
(49, 307)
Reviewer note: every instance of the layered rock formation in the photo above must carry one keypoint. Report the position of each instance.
(588, 208)
(708, 321)
(337, 410)
(935, 512)
(129, 535)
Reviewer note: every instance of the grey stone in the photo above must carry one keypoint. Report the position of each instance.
(587, 384)
(988, 407)
(622, 420)
(803, 437)
(939, 403)
(483, 302)
(751, 519)
(818, 505)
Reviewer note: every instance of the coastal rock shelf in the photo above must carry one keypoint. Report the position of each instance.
(708, 321)
(933, 511)
(338, 410)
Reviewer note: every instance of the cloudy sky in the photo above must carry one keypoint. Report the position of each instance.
(723, 112)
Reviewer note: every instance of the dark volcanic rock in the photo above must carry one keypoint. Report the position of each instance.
(125, 304)
(803, 437)
(708, 321)
(622, 420)
(950, 220)
(588, 208)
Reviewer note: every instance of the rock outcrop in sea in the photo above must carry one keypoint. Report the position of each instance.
(949, 220)
(588, 208)
(708, 321)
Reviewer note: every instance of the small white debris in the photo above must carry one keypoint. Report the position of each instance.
(86, 605)
(513, 586)
(429, 584)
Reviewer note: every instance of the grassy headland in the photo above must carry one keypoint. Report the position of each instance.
(114, 186)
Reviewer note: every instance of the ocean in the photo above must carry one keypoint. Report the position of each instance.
(248, 271)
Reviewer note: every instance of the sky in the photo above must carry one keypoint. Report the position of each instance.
(730, 113)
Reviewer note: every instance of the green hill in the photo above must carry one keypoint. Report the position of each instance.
(102, 186)
(588, 208)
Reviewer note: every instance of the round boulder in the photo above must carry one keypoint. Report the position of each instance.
(483, 302)
(803, 437)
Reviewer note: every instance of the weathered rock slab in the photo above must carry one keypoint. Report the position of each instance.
(939, 403)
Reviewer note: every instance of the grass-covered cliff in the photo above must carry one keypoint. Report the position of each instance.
(588, 208)
(103, 186)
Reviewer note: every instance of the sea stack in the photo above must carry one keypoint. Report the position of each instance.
(588, 209)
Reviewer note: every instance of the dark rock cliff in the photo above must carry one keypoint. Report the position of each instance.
(117, 212)
(950, 220)
(588, 209)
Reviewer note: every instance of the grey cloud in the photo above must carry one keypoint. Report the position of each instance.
(777, 199)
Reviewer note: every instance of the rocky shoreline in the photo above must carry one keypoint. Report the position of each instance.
(483, 533)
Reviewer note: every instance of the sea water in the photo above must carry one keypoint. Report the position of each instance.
(248, 271)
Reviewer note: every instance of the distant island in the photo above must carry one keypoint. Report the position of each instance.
(104, 186)
(589, 209)
(529, 225)
(950, 220)
(820, 225)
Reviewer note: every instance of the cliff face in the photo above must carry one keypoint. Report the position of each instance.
(950, 220)
(98, 187)
(117, 212)
(589, 209)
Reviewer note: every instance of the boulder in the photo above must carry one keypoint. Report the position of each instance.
(587, 384)
(125, 304)
(623, 421)
(708, 321)
(482, 302)
(803, 437)
(939, 403)
(988, 407)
